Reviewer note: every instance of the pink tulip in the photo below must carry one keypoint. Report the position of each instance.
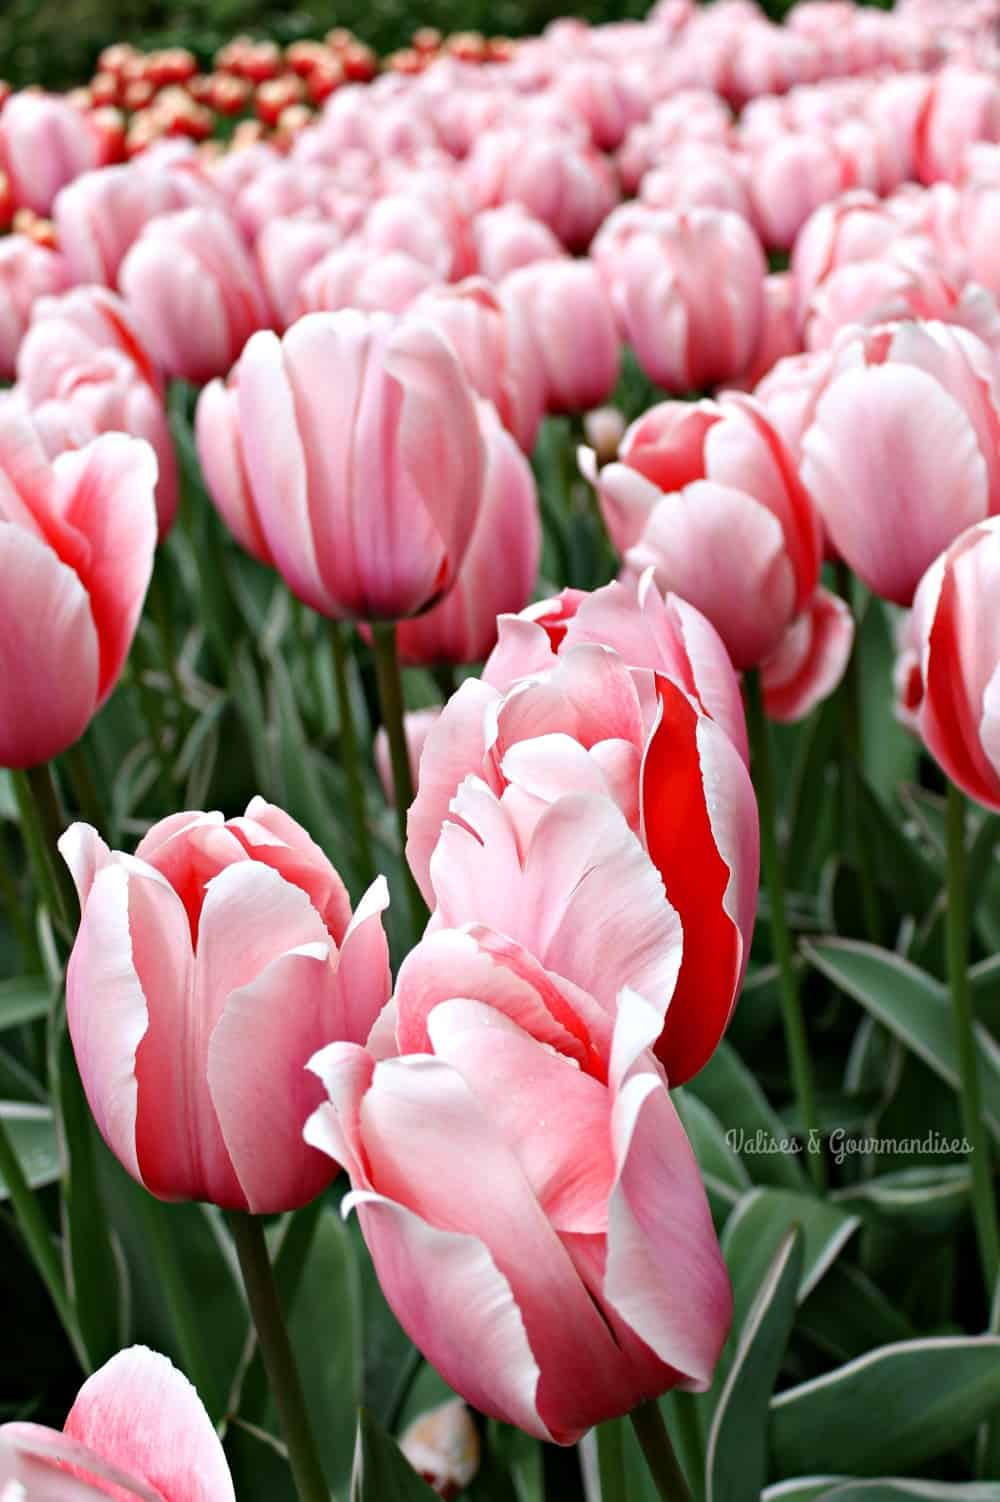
(286, 249)
(570, 188)
(904, 450)
(708, 495)
(363, 457)
(76, 553)
(789, 179)
(532, 1206)
(698, 175)
(856, 226)
(690, 116)
(602, 97)
(650, 723)
(779, 335)
(354, 277)
(28, 273)
(949, 679)
(963, 107)
(208, 968)
(495, 347)
(416, 727)
(45, 142)
(101, 214)
(810, 660)
(137, 1431)
(195, 291)
(510, 237)
(688, 290)
(463, 626)
(604, 429)
(70, 330)
(425, 226)
(790, 393)
(223, 467)
(567, 310)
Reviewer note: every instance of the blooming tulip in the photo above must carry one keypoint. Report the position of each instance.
(708, 495)
(568, 187)
(76, 553)
(533, 1208)
(810, 660)
(948, 677)
(903, 452)
(363, 462)
(137, 1431)
(286, 249)
(353, 277)
(568, 312)
(28, 273)
(509, 237)
(45, 142)
(195, 291)
(855, 226)
(619, 694)
(70, 330)
(789, 178)
(208, 968)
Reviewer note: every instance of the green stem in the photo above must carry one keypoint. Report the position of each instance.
(796, 1040)
(348, 743)
(186, 1317)
(957, 926)
(20, 921)
(651, 1432)
(611, 1461)
(852, 761)
(279, 1360)
(390, 693)
(41, 825)
(37, 1238)
(87, 799)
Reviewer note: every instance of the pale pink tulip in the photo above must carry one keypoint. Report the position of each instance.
(949, 679)
(650, 723)
(223, 467)
(442, 1446)
(964, 106)
(70, 330)
(508, 238)
(207, 970)
(789, 394)
(856, 226)
(903, 452)
(76, 553)
(570, 188)
(353, 276)
(533, 1208)
(569, 316)
(789, 179)
(45, 142)
(708, 495)
(429, 228)
(602, 97)
(779, 335)
(416, 727)
(195, 291)
(137, 1431)
(285, 250)
(28, 274)
(365, 463)
(698, 175)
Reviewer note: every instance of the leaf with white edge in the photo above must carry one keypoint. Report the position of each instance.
(756, 1228)
(904, 1489)
(799, 1489)
(735, 1098)
(924, 1201)
(913, 1006)
(381, 1471)
(890, 1410)
(736, 1460)
(708, 1138)
(33, 1136)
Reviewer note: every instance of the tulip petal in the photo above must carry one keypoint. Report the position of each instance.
(49, 652)
(275, 838)
(34, 1461)
(345, 1071)
(363, 980)
(811, 659)
(85, 853)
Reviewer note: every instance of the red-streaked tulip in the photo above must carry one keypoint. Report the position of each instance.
(207, 970)
(416, 727)
(532, 1205)
(77, 538)
(810, 659)
(903, 452)
(558, 710)
(462, 627)
(600, 94)
(365, 466)
(71, 329)
(28, 273)
(509, 237)
(708, 495)
(194, 288)
(425, 226)
(137, 1431)
(223, 467)
(494, 344)
(45, 142)
(568, 313)
(948, 677)
(688, 290)
(700, 175)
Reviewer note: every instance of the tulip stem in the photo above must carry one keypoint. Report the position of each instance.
(796, 1040)
(279, 1360)
(41, 825)
(611, 1461)
(84, 787)
(390, 693)
(348, 743)
(852, 761)
(957, 926)
(444, 676)
(651, 1432)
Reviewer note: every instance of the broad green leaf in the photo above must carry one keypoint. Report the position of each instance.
(736, 1461)
(24, 999)
(708, 1138)
(381, 1471)
(848, 1314)
(890, 1410)
(259, 1464)
(923, 1201)
(914, 1006)
(758, 1226)
(901, 864)
(738, 1103)
(984, 980)
(813, 796)
(32, 1132)
(891, 752)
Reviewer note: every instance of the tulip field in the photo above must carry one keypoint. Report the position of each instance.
(500, 760)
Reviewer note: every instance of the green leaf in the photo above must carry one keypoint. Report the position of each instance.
(32, 1133)
(758, 1226)
(891, 751)
(920, 1201)
(708, 1138)
(259, 1464)
(902, 1489)
(799, 1489)
(27, 998)
(736, 1462)
(890, 1410)
(381, 1471)
(914, 1006)
(813, 795)
(732, 1094)
(848, 1314)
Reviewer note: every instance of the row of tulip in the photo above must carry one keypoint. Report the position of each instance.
(376, 371)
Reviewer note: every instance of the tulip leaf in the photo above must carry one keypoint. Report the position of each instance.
(799, 1489)
(259, 1464)
(757, 1227)
(890, 1410)
(921, 1201)
(32, 1133)
(848, 1314)
(708, 1138)
(890, 751)
(736, 1460)
(735, 1098)
(381, 1471)
(27, 998)
(913, 1006)
(812, 796)
(903, 1489)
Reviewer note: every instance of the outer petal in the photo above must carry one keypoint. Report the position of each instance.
(665, 1275)
(810, 660)
(220, 453)
(142, 1414)
(49, 652)
(32, 1469)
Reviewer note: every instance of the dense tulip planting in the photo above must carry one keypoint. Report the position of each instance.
(552, 488)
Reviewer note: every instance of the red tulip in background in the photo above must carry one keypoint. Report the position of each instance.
(634, 700)
(208, 968)
(76, 553)
(137, 1431)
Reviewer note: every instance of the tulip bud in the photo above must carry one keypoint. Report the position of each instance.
(442, 1446)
